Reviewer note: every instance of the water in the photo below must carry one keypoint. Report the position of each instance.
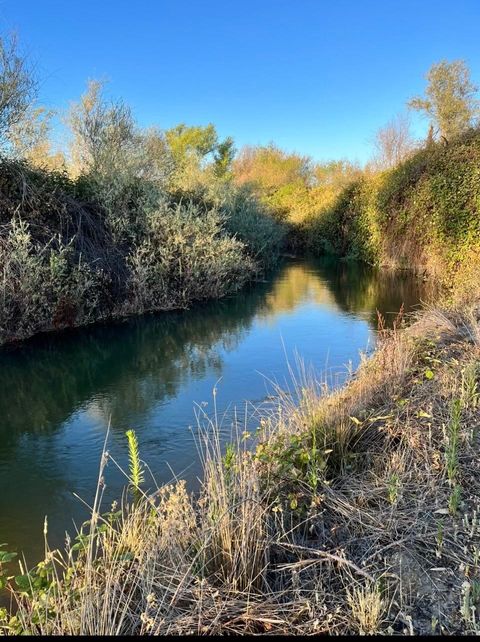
(59, 393)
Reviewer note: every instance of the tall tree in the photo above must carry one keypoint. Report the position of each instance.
(282, 180)
(336, 174)
(450, 98)
(198, 155)
(187, 141)
(270, 168)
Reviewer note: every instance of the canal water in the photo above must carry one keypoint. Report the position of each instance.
(60, 393)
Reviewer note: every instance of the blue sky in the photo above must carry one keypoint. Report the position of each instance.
(318, 77)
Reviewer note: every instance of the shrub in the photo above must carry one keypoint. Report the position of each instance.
(41, 288)
(76, 251)
(423, 214)
(250, 222)
(185, 255)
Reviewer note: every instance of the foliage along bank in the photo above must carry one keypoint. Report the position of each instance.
(423, 214)
(78, 250)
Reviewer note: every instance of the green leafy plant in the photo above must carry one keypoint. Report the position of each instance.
(5, 558)
(470, 385)
(453, 433)
(393, 487)
(137, 477)
(451, 455)
(455, 499)
(229, 460)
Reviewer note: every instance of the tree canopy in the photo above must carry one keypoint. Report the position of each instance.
(450, 98)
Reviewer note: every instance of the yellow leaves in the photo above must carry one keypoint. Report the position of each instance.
(423, 414)
(371, 420)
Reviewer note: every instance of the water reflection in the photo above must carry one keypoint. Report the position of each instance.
(59, 393)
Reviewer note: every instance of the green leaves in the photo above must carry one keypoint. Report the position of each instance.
(38, 579)
(6, 557)
(24, 582)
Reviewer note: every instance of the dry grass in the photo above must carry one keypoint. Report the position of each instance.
(358, 511)
(367, 608)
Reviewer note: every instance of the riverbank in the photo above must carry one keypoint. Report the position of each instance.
(355, 512)
(422, 215)
(95, 248)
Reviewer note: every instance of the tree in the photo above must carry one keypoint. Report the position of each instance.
(29, 138)
(282, 180)
(223, 158)
(335, 175)
(393, 143)
(430, 140)
(198, 155)
(185, 141)
(156, 162)
(269, 169)
(450, 98)
(17, 86)
(104, 133)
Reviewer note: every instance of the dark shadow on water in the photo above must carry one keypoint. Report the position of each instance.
(362, 289)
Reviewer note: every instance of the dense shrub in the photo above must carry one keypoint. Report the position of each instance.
(184, 256)
(76, 251)
(423, 214)
(248, 220)
(245, 217)
(41, 288)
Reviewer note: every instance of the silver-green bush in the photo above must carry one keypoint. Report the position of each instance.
(186, 255)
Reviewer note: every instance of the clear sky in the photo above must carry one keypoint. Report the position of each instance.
(315, 76)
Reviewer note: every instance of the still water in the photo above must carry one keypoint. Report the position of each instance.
(60, 393)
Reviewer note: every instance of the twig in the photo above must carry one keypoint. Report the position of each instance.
(329, 556)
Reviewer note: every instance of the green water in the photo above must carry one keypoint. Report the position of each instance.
(59, 393)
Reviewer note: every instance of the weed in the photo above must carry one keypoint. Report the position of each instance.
(455, 499)
(470, 385)
(393, 487)
(367, 608)
(453, 433)
(137, 477)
